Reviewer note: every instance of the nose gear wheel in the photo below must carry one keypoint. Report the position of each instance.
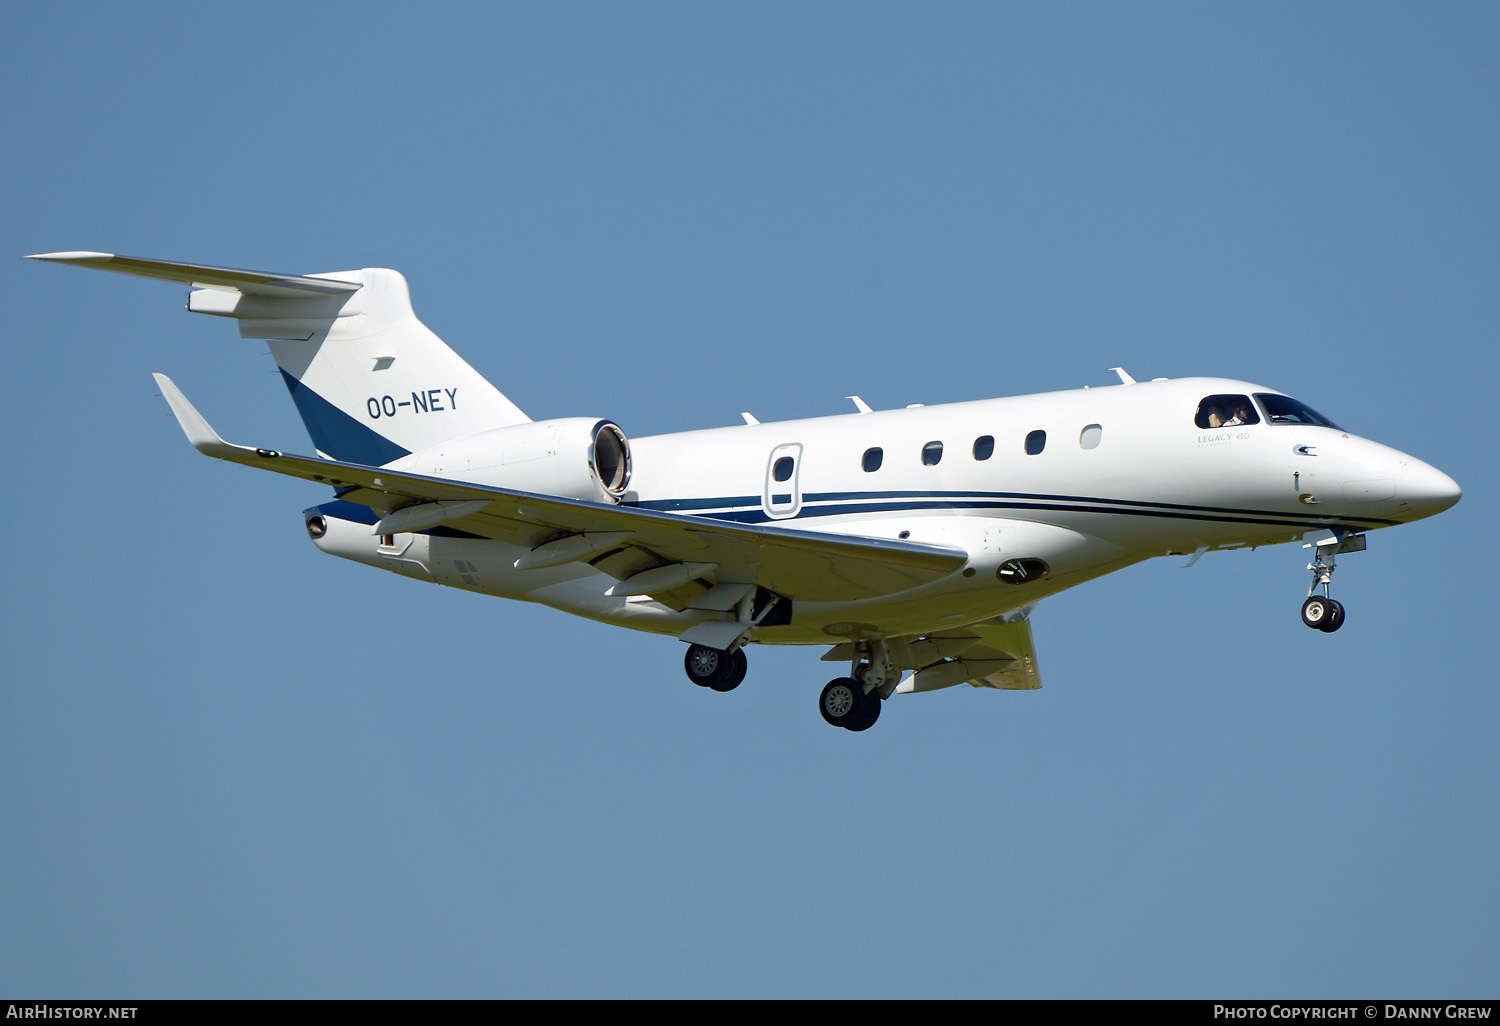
(1324, 614)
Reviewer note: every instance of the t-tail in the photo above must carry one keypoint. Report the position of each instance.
(371, 382)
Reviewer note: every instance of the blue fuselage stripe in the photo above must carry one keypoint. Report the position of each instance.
(747, 508)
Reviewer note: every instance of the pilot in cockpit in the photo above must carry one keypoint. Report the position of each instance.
(1242, 415)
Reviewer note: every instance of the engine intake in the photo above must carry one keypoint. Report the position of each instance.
(577, 457)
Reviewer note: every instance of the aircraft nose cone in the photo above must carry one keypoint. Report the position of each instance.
(1425, 490)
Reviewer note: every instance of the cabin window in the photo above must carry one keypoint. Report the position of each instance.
(1283, 409)
(984, 447)
(1216, 411)
(1036, 442)
(781, 470)
(932, 454)
(872, 458)
(1090, 436)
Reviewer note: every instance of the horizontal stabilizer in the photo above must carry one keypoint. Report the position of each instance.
(251, 283)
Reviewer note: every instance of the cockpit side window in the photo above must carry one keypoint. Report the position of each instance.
(1283, 409)
(1216, 411)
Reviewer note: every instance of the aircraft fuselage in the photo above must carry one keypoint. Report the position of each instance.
(1118, 474)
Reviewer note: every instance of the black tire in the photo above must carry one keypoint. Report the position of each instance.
(731, 671)
(704, 664)
(1316, 612)
(842, 701)
(1335, 618)
(869, 716)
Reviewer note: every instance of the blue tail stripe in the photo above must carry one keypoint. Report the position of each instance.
(337, 434)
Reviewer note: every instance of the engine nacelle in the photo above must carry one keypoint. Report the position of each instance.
(578, 457)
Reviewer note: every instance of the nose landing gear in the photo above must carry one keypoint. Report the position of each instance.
(1324, 614)
(1321, 612)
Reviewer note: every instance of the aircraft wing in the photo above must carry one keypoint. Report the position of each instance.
(672, 557)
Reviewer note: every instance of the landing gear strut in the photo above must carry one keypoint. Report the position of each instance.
(1321, 612)
(723, 668)
(715, 668)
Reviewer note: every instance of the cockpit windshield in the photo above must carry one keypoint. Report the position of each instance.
(1216, 411)
(1283, 409)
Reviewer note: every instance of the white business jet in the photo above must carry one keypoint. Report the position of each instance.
(914, 542)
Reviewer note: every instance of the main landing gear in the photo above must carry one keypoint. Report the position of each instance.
(1321, 612)
(845, 703)
(851, 702)
(715, 668)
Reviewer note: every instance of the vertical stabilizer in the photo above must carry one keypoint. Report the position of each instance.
(371, 382)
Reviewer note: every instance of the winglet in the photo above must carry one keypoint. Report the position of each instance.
(204, 438)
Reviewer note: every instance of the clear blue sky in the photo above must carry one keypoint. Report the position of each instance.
(232, 766)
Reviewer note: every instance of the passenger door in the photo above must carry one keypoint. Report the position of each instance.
(782, 496)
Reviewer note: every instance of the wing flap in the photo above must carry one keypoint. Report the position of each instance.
(995, 654)
(795, 563)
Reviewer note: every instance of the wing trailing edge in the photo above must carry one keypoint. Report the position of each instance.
(995, 654)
